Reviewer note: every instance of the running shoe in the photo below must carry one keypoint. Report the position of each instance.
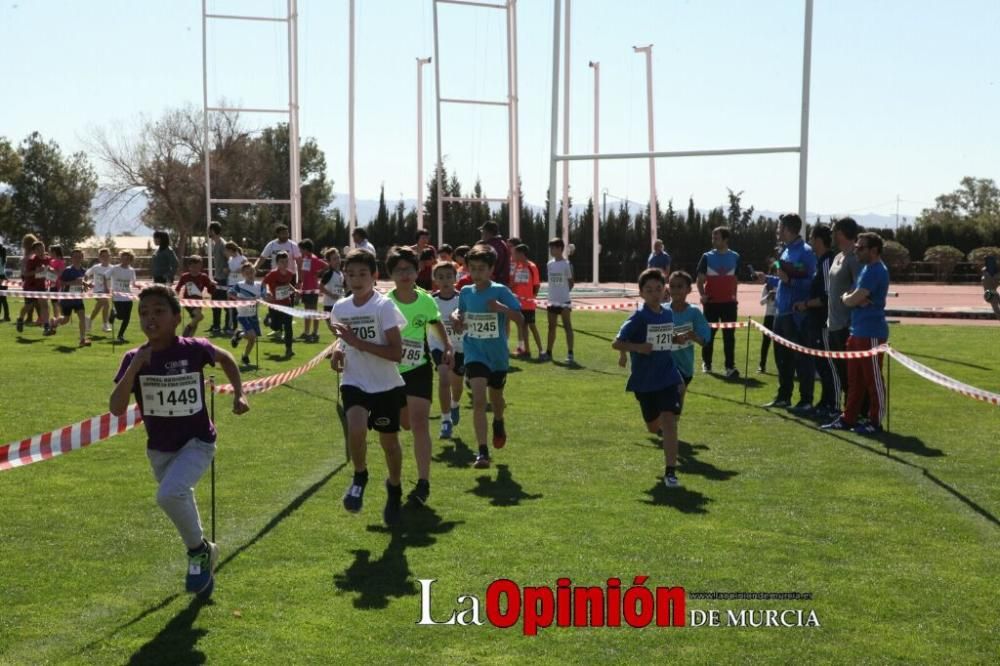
(201, 568)
(19, 326)
(803, 408)
(245, 360)
(867, 429)
(393, 503)
(837, 424)
(670, 480)
(445, 429)
(482, 462)
(499, 434)
(706, 367)
(354, 498)
(570, 360)
(419, 495)
(778, 403)
(456, 414)
(545, 356)
(732, 373)
(235, 340)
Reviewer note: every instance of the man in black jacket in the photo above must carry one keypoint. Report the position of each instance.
(816, 333)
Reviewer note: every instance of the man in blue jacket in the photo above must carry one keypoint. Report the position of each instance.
(796, 268)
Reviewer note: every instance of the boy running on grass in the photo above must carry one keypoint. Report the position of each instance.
(690, 327)
(166, 376)
(560, 278)
(97, 275)
(280, 290)
(72, 281)
(122, 279)
(449, 377)
(483, 308)
(195, 285)
(246, 315)
(421, 314)
(374, 393)
(311, 268)
(648, 337)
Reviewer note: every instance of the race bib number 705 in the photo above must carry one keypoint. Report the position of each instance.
(363, 327)
(171, 395)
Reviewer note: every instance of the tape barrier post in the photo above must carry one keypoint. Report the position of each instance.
(211, 384)
(888, 398)
(746, 370)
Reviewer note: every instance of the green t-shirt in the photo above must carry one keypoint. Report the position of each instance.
(419, 314)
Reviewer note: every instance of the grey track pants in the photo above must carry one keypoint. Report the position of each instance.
(177, 474)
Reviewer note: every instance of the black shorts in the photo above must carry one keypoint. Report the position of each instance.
(327, 308)
(529, 316)
(458, 361)
(191, 311)
(495, 379)
(69, 307)
(309, 301)
(686, 378)
(30, 301)
(420, 381)
(383, 408)
(654, 403)
(558, 309)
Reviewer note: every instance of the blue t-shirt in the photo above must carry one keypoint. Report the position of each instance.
(799, 262)
(485, 337)
(720, 270)
(656, 370)
(66, 278)
(691, 318)
(869, 321)
(661, 261)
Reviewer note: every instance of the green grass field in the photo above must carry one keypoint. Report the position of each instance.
(901, 552)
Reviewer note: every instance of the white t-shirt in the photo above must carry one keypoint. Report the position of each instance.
(235, 264)
(368, 372)
(273, 247)
(366, 246)
(445, 306)
(98, 275)
(336, 285)
(245, 291)
(121, 280)
(559, 274)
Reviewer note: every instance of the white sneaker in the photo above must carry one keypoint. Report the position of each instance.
(107, 328)
(670, 481)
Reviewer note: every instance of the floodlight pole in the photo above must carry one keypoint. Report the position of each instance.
(653, 213)
(420, 142)
(351, 205)
(515, 187)
(566, 105)
(293, 120)
(554, 135)
(804, 133)
(596, 216)
(206, 148)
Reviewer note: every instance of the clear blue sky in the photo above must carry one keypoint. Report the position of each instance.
(905, 94)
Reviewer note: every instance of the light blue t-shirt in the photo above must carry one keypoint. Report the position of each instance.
(691, 318)
(656, 370)
(485, 336)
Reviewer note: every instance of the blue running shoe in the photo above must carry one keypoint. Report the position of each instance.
(354, 498)
(445, 429)
(201, 569)
(868, 429)
(456, 414)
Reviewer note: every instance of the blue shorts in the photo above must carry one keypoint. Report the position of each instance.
(654, 403)
(249, 324)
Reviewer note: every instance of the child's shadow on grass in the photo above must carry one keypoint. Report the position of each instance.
(176, 643)
(502, 491)
(742, 380)
(683, 499)
(65, 349)
(458, 454)
(908, 444)
(376, 581)
(688, 463)
(21, 340)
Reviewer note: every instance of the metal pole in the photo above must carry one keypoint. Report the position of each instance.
(554, 137)
(653, 214)
(596, 217)
(295, 177)
(746, 369)
(804, 134)
(206, 149)
(511, 177)
(566, 105)
(211, 386)
(440, 162)
(351, 213)
(888, 394)
(515, 207)
(420, 142)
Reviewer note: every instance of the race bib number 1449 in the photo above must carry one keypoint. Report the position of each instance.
(171, 395)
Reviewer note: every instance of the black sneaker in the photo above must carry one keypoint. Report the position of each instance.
(19, 326)
(235, 340)
(418, 496)
(732, 373)
(393, 503)
(245, 360)
(803, 408)
(778, 403)
(354, 498)
(837, 424)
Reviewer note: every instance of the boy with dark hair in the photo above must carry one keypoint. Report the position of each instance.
(331, 283)
(717, 283)
(525, 283)
(483, 308)
(462, 277)
(166, 376)
(246, 315)
(122, 278)
(280, 286)
(310, 268)
(195, 285)
(72, 281)
(444, 253)
(648, 336)
(164, 261)
(97, 275)
(421, 314)
(370, 348)
(559, 274)
(816, 333)
(449, 377)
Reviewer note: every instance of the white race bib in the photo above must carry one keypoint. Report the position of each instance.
(307, 265)
(449, 330)
(122, 286)
(413, 352)
(76, 289)
(482, 325)
(171, 395)
(282, 292)
(661, 336)
(193, 290)
(682, 329)
(522, 276)
(557, 279)
(363, 327)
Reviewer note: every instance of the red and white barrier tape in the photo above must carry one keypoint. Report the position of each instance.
(541, 305)
(273, 381)
(944, 380)
(69, 438)
(298, 312)
(729, 324)
(867, 353)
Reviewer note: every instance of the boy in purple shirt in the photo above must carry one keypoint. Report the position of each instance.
(166, 377)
